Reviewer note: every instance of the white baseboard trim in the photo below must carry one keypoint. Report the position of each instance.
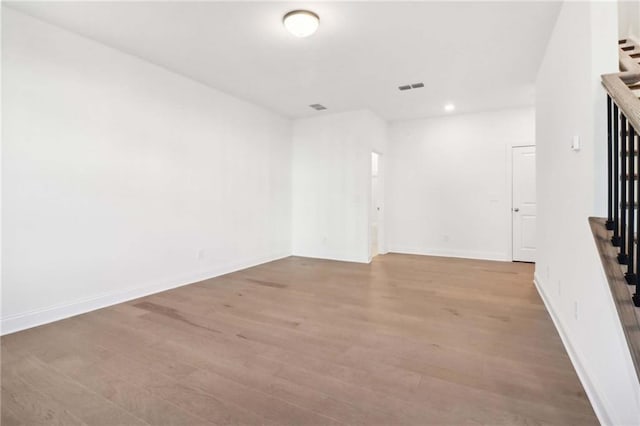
(462, 254)
(22, 321)
(596, 402)
(334, 258)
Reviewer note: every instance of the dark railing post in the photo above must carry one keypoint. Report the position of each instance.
(636, 296)
(630, 275)
(610, 177)
(624, 207)
(615, 239)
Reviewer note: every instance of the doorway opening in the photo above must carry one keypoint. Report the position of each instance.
(376, 199)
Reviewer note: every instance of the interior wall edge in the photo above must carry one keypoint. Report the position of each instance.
(599, 404)
(349, 259)
(454, 115)
(207, 86)
(460, 254)
(35, 318)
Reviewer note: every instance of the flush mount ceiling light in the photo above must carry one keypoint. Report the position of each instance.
(301, 23)
(449, 107)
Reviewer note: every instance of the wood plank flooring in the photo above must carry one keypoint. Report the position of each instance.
(406, 340)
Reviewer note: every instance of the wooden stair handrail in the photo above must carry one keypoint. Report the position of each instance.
(629, 65)
(627, 102)
(617, 84)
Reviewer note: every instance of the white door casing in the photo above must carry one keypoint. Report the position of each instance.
(375, 207)
(524, 203)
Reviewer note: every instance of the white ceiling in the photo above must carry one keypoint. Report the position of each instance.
(478, 55)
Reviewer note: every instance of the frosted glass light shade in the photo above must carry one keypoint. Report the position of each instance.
(301, 23)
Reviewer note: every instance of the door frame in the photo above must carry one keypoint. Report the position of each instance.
(509, 179)
(382, 247)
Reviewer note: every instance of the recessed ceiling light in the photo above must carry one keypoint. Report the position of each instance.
(301, 23)
(449, 107)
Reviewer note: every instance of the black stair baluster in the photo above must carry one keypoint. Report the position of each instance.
(610, 176)
(622, 256)
(630, 275)
(615, 239)
(636, 296)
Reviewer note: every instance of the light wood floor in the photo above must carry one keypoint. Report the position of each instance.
(407, 340)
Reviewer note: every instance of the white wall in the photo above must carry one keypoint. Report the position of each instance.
(121, 178)
(449, 183)
(570, 101)
(332, 184)
(629, 19)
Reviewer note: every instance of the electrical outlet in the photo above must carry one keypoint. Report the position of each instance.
(200, 255)
(575, 309)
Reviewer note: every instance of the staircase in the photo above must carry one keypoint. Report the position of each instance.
(623, 122)
(616, 236)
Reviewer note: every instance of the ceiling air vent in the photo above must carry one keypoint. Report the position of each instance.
(318, 107)
(411, 86)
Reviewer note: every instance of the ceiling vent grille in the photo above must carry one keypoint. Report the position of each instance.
(318, 107)
(410, 86)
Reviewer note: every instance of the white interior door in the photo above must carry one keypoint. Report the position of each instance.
(524, 203)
